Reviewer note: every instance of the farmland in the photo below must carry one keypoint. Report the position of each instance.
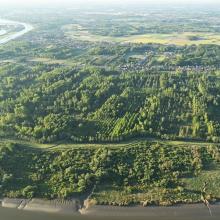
(180, 39)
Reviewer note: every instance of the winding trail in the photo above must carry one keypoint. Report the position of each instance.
(13, 36)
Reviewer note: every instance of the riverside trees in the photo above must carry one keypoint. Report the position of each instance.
(27, 172)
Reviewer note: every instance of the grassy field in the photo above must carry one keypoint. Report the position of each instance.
(188, 192)
(48, 61)
(184, 38)
(25, 144)
(211, 177)
(131, 143)
(107, 195)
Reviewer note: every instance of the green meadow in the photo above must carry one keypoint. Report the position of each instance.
(181, 38)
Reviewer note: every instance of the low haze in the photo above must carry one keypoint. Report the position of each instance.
(43, 2)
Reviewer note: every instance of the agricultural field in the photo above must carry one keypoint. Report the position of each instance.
(180, 39)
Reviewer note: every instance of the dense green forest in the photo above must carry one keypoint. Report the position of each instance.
(169, 99)
(135, 172)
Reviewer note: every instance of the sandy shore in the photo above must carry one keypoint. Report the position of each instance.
(41, 205)
(12, 203)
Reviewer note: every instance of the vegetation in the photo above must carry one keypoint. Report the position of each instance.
(149, 172)
(131, 117)
(92, 104)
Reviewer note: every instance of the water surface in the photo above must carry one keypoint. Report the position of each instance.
(13, 36)
(130, 214)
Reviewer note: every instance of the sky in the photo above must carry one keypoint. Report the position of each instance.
(81, 2)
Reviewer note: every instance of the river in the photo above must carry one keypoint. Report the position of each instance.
(13, 36)
(118, 213)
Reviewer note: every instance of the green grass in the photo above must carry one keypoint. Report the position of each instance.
(140, 195)
(211, 177)
(47, 60)
(177, 38)
(26, 143)
(184, 38)
(152, 195)
(131, 143)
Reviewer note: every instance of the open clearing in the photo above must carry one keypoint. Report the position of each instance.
(131, 143)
